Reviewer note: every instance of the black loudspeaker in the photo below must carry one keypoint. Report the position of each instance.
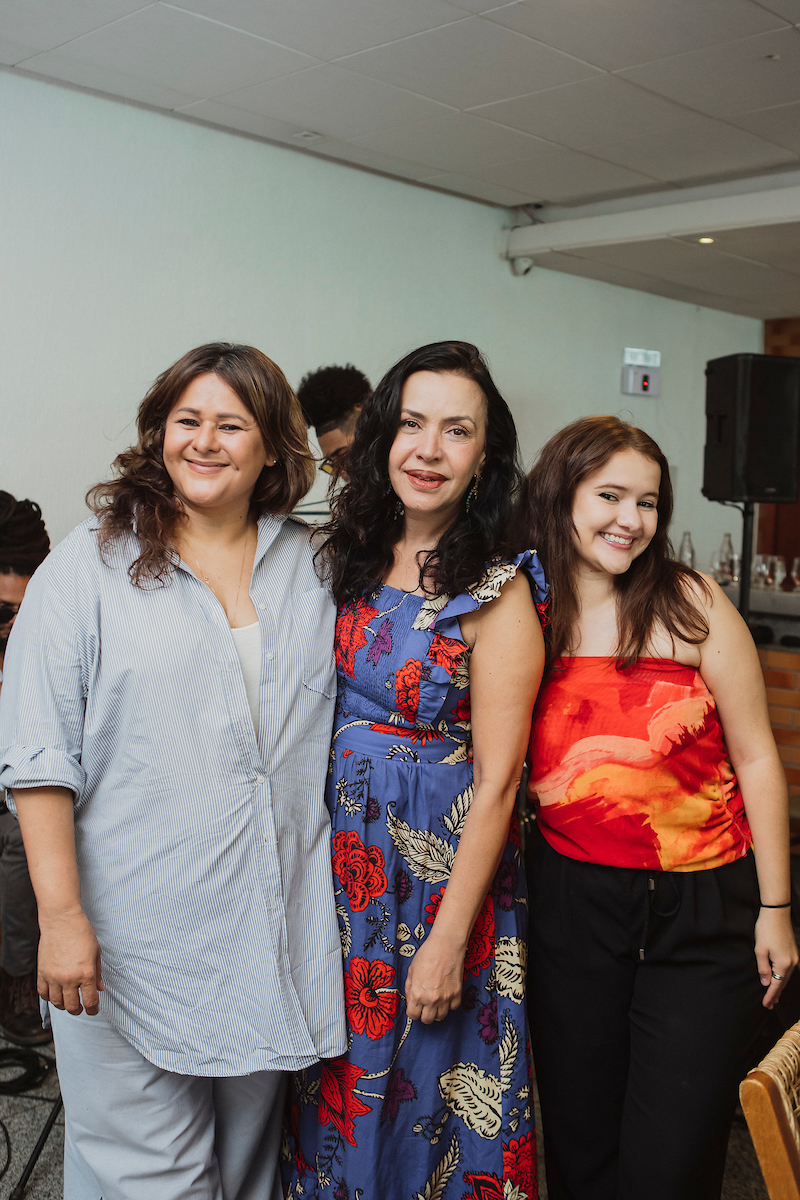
(752, 426)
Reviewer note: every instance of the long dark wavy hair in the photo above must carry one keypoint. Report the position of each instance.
(655, 592)
(366, 516)
(142, 497)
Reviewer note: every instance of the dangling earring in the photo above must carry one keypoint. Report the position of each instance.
(473, 491)
(397, 510)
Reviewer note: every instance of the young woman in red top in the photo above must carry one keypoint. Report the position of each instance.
(661, 851)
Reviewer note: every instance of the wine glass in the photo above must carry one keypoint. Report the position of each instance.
(780, 570)
(759, 571)
(795, 573)
(736, 567)
(769, 572)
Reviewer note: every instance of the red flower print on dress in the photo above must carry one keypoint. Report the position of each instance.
(462, 710)
(360, 869)
(371, 1009)
(518, 1163)
(406, 689)
(480, 948)
(484, 1187)
(293, 1123)
(446, 652)
(417, 734)
(338, 1104)
(350, 636)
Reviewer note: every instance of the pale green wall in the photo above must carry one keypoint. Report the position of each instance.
(127, 236)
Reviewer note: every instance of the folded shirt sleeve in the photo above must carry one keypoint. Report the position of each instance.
(48, 666)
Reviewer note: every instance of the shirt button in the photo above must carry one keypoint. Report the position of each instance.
(259, 778)
(270, 655)
(262, 607)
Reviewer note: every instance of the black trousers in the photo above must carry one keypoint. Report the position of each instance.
(638, 1059)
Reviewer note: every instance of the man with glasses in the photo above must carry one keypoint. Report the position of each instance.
(24, 545)
(331, 399)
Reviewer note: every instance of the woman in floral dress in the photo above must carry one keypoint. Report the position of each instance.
(439, 655)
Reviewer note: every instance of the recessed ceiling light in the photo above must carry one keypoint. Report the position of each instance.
(307, 135)
(705, 241)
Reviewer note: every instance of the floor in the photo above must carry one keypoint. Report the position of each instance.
(24, 1118)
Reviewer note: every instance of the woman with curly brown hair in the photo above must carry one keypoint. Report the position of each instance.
(439, 653)
(164, 729)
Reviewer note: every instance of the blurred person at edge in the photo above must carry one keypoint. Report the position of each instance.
(660, 924)
(331, 399)
(24, 545)
(174, 656)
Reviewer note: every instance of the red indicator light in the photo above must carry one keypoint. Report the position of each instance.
(645, 383)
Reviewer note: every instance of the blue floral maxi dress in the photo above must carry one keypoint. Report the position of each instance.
(413, 1111)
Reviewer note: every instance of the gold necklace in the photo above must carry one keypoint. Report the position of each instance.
(210, 586)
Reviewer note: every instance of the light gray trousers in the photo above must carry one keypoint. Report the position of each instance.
(135, 1132)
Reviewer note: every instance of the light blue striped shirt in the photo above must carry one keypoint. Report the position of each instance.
(203, 850)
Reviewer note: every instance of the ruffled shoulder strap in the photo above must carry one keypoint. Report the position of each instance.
(442, 612)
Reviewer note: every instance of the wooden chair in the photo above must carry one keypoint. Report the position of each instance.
(770, 1097)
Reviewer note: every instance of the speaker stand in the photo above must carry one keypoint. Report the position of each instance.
(747, 559)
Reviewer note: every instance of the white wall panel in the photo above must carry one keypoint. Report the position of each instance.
(127, 236)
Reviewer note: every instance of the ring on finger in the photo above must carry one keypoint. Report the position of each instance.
(775, 975)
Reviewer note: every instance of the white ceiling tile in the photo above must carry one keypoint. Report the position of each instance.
(45, 24)
(690, 264)
(360, 156)
(328, 30)
(12, 52)
(480, 6)
(628, 32)
(177, 50)
(246, 122)
(478, 189)
(457, 142)
(775, 245)
(611, 273)
(55, 64)
(578, 114)
(788, 9)
(471, 62)
(335, 102)
(605, 272)
(733, 78)
(700, 149)
(780, 125)
(556, 174)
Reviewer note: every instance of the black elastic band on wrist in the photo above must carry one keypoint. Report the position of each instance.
(789, 905)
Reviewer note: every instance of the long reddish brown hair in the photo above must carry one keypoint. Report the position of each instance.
(655, 592)
(142, 497)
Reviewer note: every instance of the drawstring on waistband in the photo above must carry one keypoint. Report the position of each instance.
(650, 902)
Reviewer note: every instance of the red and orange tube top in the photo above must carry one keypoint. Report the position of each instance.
(630, 768)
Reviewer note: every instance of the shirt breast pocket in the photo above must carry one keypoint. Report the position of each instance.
(314, 617)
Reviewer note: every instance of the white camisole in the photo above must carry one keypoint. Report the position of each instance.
(247, 641)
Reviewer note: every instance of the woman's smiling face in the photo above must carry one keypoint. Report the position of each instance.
(213, 449)
(440, 444)
(615, 513)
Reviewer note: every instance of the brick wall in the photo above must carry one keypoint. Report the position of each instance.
(782, 677)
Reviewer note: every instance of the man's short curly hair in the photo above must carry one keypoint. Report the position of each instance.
(24, 543)
(329, 395)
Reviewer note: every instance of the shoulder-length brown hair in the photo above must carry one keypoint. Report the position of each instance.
(655, 592)
(142, 499)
